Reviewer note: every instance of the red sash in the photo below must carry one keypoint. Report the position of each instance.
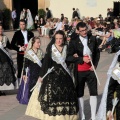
(85, 66)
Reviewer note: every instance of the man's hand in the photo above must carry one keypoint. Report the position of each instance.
(91, 69)
(86, 59)
(23, 48)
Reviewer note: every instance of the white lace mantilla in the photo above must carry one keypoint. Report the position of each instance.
(4, 41)
(60, 57)
(3, 44)
(33, 57)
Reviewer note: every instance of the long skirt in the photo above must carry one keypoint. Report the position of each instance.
(7, 72)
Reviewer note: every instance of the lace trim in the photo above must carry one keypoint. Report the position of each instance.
(39, 55)
(60, 57)
(58, 98)
(4, 41)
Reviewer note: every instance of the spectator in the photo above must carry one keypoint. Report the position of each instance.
(40, 24)
(46, 28)
(36, 20)
(78, 11)
(14, 18)
(75, 14)
(62, 17)
(48, 14)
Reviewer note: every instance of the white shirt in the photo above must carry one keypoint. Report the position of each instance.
(36, 17)
(86, 50)
(59, 26)
(14, 15)
(25, 36)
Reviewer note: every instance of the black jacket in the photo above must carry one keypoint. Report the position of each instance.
(48, 14)
(75, 14)
(18, 39)
(76, 46)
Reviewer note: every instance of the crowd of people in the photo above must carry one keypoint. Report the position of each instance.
(52, 83)
(106, 30)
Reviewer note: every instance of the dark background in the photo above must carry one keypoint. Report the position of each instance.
(29, 4)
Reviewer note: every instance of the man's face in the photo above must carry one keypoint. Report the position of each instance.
(83, 31)
(22, 26)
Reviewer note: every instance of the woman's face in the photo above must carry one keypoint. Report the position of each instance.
(1, 30)
(37, 44)
(116, 26)
(58, 39)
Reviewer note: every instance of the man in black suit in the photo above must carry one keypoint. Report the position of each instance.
(75, 13)
(48, 14)
(19, 43)
(79, 51)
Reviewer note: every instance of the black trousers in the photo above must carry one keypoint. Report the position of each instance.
(91, 80)
(20, 60)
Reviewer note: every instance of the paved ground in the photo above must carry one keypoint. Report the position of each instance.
(10, 109)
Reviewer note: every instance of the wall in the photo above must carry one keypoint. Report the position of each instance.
(41, 4)
(6, 4)
(91, 8)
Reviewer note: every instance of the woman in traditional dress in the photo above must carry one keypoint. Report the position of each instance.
(57, 97)
(30, 22)
(7, 71)
(106, 109)
(32, 67)
(22, 15)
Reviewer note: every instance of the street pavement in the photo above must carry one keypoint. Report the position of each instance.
(10, 109)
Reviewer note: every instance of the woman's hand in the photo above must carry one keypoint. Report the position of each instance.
(25, 78)
(109, 116)
(40, 80)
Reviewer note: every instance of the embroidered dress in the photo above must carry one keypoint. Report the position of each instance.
(7, 70)
(57, 99)
(32, 69)
(33, 63)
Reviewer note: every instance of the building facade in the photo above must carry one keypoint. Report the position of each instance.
(91, 8)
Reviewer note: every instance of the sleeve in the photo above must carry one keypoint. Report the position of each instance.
(8, 45)
(70, 52)
(96, 54)
(14, 42)
(47, 62)
(31, 35)
(26, 64)
(110, 95)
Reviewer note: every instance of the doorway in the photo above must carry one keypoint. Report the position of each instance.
(29, 4)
